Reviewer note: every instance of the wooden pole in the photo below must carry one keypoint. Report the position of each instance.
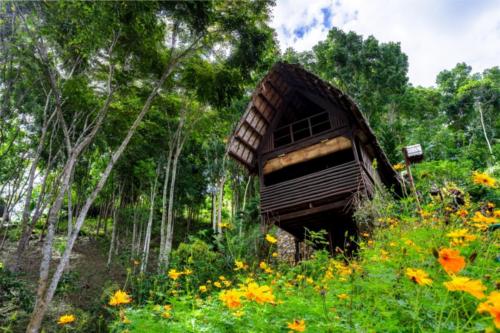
(410, 176)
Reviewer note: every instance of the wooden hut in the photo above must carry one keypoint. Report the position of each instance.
(313, 151)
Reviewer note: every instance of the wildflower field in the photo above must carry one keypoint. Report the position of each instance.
(434, 270)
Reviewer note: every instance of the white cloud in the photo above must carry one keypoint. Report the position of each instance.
(435, 35)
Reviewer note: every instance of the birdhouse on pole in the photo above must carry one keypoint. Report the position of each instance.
(413, 154)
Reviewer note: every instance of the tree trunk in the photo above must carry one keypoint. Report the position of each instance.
(44, 295)
(26, 229)
(147, 238)
(214, 210)
(134, 231)
(481, 117)
(114, 228)
(220, 204)
(170, 223)
(245, 194)
(164, 207)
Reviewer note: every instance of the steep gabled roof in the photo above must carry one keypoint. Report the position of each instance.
(272, 95)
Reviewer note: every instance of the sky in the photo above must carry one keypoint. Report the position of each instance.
(435, 34)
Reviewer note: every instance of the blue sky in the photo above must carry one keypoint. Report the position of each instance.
(435, 34)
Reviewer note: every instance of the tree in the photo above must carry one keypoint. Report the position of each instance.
(129, 50)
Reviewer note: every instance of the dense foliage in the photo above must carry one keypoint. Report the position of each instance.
(114, 121)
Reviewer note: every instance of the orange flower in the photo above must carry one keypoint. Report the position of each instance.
(451, 260)
(460, 283)
(297, 325)
(492, 306)
(418, 276)
(462, 212)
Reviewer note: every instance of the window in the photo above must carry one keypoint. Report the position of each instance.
(301, 129)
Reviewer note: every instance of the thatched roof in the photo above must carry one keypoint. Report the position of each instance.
(272, 96)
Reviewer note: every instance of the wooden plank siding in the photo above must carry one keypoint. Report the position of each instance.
(342, 179)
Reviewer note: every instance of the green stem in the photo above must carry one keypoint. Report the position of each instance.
(442, 311)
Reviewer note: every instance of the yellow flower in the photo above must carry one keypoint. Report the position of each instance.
(271, 239)
(483, 179)
(274, 254)
(66, 319)
(297, 325)
(187, 272)
(166, 314)
(409, 242)
(492, 306)
(238, 313)
(480, 218)
(399, 166)
(418, 276)
(309, 280)
(460, 236)
(460, 283)
(227, 283)
(222, 278)
(451, 260)
(482, 222)
(496, 213)
(217, 284)
(203, 289)
(256, 293)
(343, 296)
(263, 265)
(120, 297)
(240, 265)
(231, 298)
(173, 274)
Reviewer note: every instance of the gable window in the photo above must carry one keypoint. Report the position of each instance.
(301, 129)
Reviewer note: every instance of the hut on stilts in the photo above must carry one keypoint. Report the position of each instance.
(313, 152)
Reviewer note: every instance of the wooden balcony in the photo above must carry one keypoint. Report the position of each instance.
(306, 191)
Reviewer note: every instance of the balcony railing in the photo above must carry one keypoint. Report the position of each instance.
(341, 179)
